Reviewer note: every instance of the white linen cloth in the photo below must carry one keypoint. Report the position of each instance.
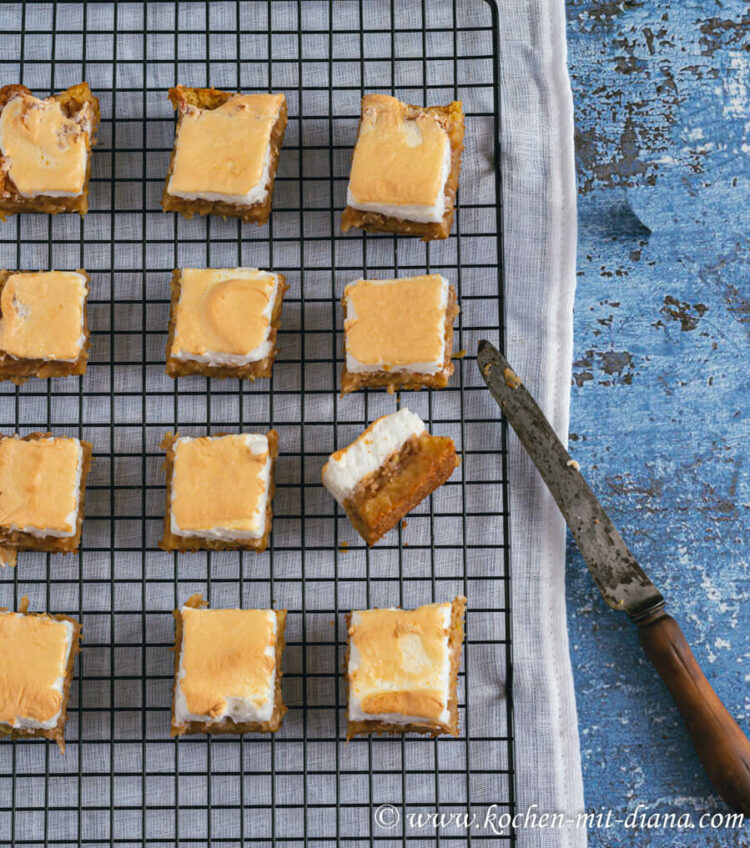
(540, 252)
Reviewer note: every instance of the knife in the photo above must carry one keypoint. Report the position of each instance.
(721, 745)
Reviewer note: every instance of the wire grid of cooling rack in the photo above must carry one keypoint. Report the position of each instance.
(123, 780)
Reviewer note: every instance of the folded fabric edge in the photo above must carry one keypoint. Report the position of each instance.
(538, 162)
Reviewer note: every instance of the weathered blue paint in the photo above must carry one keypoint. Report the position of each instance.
(660, 417)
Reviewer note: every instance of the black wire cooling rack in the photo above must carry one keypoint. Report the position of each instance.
(123, 780)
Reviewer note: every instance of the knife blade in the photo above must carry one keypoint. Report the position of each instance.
(721, 745)
(622, 582)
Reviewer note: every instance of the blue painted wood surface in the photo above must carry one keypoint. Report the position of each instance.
(660, 399)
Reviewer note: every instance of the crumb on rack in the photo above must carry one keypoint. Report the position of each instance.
(573, 464)
(459, 354)
(8, 557)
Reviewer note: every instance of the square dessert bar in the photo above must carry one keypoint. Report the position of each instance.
(42, 487)
(224, 322)
(46, 150)
(387, 470)
(225, 154)
(405, 168)
(398, 333)
(227, 670)
(219, 491)
(44, 330)
(36, 670)
(402, 669)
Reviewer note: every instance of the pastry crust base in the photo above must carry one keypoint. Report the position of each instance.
(18, 370)
(452, 118)
(54, 733)
(251, 371)
(11, 200)
(407, 380)
(258, 213)
(455, 644)
(12, 541)
(407, 477)
(172, 542)
(227, 725)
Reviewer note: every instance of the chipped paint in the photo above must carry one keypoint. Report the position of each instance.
(660, 413)
(722, 32)
(688, 315)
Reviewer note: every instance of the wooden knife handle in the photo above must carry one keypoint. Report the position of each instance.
(722, 747)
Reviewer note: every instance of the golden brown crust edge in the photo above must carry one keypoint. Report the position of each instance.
(171, 542)
(251, 371)
(407, 380)
(8, 92)
(14, 539)
(453, 115)
(56, 733)
(228, 725)
(211, 98)
(441, 472)
(455, 643)
(11, 201)
(18, 371)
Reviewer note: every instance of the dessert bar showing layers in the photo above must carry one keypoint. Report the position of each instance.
(405, 168)
(219, 491)
(36, 670)
(227, 670)
(45, 147)
(226, 152)
(398, 333)
(44, 330)
(42, 486)
(387, 470)
(224, 322)
(402, 669)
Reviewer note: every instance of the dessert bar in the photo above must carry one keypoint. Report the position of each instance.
(227, 666)
(225, 154)
(398, 333)
(224, 322)
(46, 150)
(36, 670)
(387, 470)
(219, 491)
(402, 669)
(44, 330)
(405, 168)
(42, 487)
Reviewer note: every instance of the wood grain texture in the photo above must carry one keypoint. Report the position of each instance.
(719, 741)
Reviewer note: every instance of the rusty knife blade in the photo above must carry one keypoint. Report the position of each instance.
(622, 582)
